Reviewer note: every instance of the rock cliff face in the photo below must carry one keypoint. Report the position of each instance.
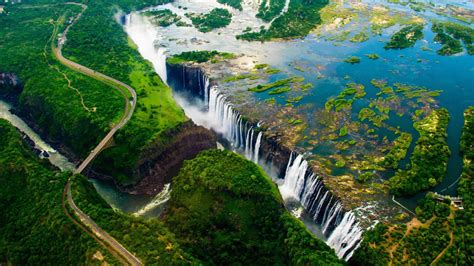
(10, 87)
(188, 79)
(159, 163)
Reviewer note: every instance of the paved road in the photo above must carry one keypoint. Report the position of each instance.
(130, 102)
(125, 89)
(99, 232)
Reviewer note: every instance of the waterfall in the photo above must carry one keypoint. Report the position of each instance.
(161, 69)
(230, 124)
(346, 236)
(140, 33)
(257, 147)
(303, 185)
(128, 19)
(294, 178)
(300, 183)
(206, 89)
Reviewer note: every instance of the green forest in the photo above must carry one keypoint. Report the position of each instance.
(226, 211)
(429, 159)
(198, 57)
(33, 227)
(440, 234)
(406, 37)
(216, 18)
(78, 115)
(302, 16)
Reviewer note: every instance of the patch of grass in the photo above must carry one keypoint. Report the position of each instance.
(199, 57)
(294, 99)
(261, 66)
(373, 56)
(280, 90)
(272, 71)
(241, 77)
(278, 83)
(340, 163)
(360, 37)
(216, 18)
(343, 131)
(352, 60)
(294, 121)
(307, 86)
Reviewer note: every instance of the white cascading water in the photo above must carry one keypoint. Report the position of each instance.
(162, 67)
(257, 147)
(159, 199)
(308, 189)
(231, 125)
(292, 186)
(206, 89)
(140, 34)
(348, 233)
(299, 182)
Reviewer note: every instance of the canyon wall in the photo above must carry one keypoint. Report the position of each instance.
(160, 162)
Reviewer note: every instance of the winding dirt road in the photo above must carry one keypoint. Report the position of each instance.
(130, 102)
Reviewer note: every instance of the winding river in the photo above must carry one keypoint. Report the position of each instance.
(139, 205)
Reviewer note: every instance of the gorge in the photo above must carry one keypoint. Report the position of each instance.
(226, 132)
(205, 105)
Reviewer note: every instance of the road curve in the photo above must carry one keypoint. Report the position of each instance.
(99, 232)
(120, 86)
(130, 97)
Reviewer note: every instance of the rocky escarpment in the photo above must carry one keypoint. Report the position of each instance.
(10, 90)
(161, 161)
(10, 87)
(188, 79)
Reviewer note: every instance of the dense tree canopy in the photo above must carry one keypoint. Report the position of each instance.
(33, 228)
(224, 210)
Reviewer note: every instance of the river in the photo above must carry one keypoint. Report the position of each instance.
(139, 205)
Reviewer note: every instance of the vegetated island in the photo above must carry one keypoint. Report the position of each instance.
(216, 18)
